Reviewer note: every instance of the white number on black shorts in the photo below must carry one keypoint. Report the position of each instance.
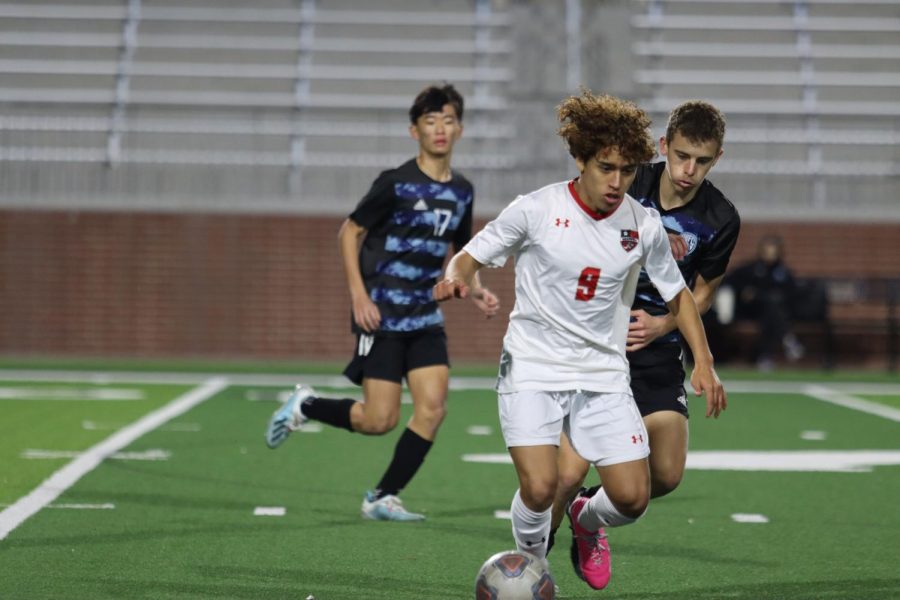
(365, 344)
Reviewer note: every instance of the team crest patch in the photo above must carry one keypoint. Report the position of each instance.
(691, 240)
(629, 239)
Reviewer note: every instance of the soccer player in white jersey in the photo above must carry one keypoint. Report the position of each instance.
(579, 246)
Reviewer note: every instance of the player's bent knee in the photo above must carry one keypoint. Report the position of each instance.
(569, 483)
(631, 502)
(634, 510)
(432, 415)
(379, 424)
(665, 483)
(538, 496)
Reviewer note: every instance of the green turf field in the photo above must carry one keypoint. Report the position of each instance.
(158, 475)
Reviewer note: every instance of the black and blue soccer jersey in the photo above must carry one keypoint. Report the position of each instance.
(709, 223)
(411, 220)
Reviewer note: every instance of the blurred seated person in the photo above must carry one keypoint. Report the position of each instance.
(764, 291)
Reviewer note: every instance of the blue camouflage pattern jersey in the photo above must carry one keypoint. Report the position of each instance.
(709, 224)
(411, 222)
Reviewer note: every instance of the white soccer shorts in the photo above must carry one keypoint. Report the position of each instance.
(605, 427)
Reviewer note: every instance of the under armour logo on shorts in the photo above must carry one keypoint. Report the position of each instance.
(365, 344)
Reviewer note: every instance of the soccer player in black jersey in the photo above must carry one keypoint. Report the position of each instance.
(393, 247)
(703, 228)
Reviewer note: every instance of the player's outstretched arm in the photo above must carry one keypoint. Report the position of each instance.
(704, 379)
(458, 279)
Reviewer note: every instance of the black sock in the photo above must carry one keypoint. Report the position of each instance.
(331, 412)
(551, 540)
(409, 453)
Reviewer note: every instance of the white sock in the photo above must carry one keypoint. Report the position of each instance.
(530, 529)
(600, 512)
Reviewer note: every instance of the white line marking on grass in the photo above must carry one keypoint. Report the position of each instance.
(269, 511)
(340, 382)
(837, 461)
(497, 459)
(813, 435)
(37, 393)
(67, 476)
(95, 426)
(503, 514)
(479, 430)
(847, 401)
(154, 454)
(833, 461)
(73, 506)
(749, 518)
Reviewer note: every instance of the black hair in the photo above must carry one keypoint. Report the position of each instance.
(433, 98)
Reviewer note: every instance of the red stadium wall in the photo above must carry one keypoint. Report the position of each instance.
(245, 286)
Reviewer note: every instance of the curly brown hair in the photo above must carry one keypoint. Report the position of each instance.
(698, 121)
(592, 124)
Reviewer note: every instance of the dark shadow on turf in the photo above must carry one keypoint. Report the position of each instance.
(242, 583)
(844, 589)
(141, 535)
(639, 551)
(296, 485)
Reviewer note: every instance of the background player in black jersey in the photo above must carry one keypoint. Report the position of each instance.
(703, 226)
(393, 247)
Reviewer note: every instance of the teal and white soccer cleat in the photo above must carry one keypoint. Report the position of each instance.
(387, 508)
(289, 417)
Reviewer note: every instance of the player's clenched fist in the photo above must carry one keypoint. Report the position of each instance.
(449, 288)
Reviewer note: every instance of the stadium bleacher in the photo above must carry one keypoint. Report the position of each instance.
(189, 100)
(810, 90)
(202, 105)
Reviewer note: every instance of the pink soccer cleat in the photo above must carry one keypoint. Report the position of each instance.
(593, 564)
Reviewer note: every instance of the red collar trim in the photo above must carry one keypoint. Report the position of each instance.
(597, 216)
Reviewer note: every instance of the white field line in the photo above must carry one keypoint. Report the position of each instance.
(269, 511)
(832, 461)
(749, 518)
(340, 382)
(67, 476)
(10, 393)
(75, 506)
(827, 394)
(833, 392)
(101, 426)
(38, 454)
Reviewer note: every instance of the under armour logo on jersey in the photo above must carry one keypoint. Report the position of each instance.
(629, 239)
(562, 222)
(530, 544)
(420, 205)
(637, 439)
(365, 344)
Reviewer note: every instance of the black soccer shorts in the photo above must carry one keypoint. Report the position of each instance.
(657, 381)
(391, 357)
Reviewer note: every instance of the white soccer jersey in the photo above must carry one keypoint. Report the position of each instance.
(576, 273)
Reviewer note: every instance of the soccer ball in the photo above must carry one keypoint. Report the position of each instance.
(514, 575)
